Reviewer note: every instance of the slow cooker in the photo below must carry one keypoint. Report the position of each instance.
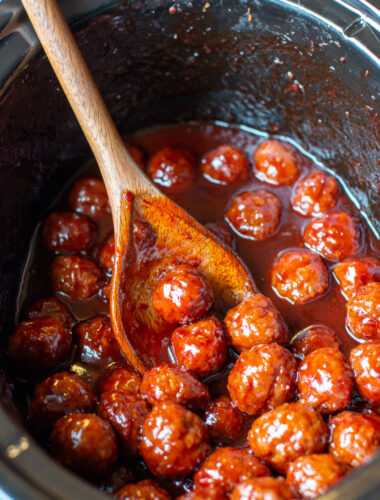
(306, 69)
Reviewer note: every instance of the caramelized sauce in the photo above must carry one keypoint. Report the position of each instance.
(207, 201)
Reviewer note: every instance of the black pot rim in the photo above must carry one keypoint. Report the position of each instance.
(26, 469)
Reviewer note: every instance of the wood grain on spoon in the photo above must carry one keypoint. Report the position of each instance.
(132, 195)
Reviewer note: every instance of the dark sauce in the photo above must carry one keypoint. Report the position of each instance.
(207, 201)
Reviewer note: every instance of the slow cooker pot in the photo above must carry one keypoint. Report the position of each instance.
(305, 69)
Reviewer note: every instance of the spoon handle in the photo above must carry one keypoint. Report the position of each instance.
(118, 168)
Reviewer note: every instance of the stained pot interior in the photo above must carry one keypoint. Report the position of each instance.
(264, 64)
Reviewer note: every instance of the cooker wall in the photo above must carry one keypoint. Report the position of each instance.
(267, 64)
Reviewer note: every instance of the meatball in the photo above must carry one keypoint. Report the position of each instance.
(263, 488)
(222, 231)
(119, 379)
(86, 444)
(174, 440)
(96, 342)
(299, 276)
(335, 235)
(226, 467)
(182, 295)
(262, 378)
(174, 384)
(355, 437)
(223, 421)
(68, 232)
(315, 194)
(365, 360)
(106, 254)
(40, 344)
(59, 395)
(89, 197)
(255, 321)
(313, 475)
(143, 490)
(76, 277)
(201, 347)
(325, 380)
(126, 413)
(254, 214)
(275, 163)
(172, 169)
(225, 165)
(312, 338)
(354, 273)
(289, 431)
(51, 308)
(363, 312)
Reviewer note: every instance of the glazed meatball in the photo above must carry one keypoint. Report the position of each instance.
(365, 360)
(254, 214)
(86, 444)
(182, 295)
(106, 254)
(355, 437)
(119, 379)
(89, 197)
(263, 488)
(275, 163)
(315, 194)
(76, 277)
(68, 232)
(174, 440)
(262, 378)
(40, 344)
(223, 420)
(325, 381)
(363, 312)
(312, 338)
(226, 467)
(201, 347)
(335, 235)
(172, 169)
(96, 342)
(299, 276)
(126, 413)
(222, 231)
(255, 321)
(289, 431)
(143, 490)
(174, 384)
(354, 273)
(313, 475)
(225, 165)
(59, 395)
(51, 308)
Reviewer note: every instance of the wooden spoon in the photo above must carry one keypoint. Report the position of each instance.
(132, 196)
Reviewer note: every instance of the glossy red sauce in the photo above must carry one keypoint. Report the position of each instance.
(207, 202)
